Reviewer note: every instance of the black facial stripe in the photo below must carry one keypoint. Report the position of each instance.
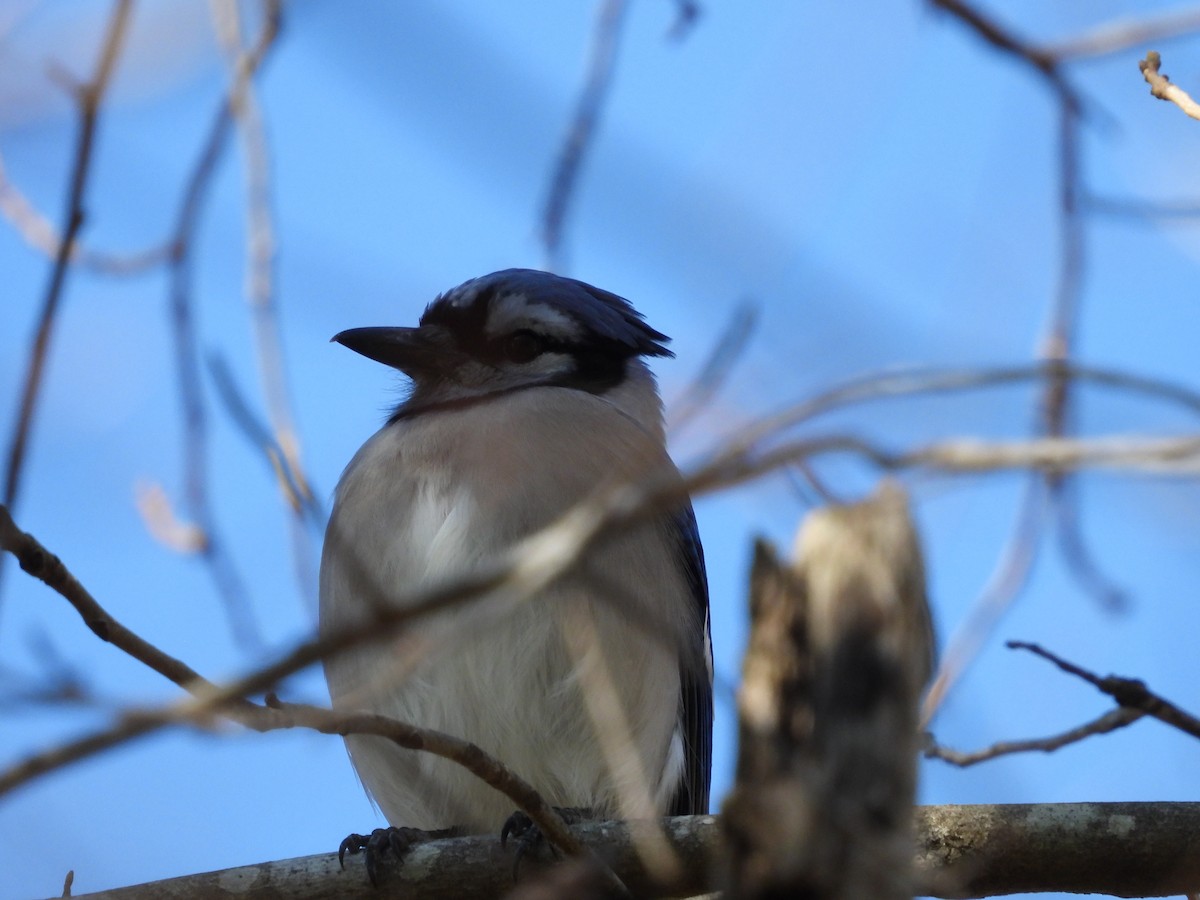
(599, 365)
(599, 362)
(598, 376)
(596, 371)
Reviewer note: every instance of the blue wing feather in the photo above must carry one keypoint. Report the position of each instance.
(696, 696)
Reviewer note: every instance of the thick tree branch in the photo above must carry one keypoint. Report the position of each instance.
(1119, 849)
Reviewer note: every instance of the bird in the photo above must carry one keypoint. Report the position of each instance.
(529, 391)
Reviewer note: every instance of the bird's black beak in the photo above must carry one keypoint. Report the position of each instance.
(411, 350)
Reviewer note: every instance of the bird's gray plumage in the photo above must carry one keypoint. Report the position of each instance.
(529, 393)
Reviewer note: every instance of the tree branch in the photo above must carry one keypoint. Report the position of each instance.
(1162, 88)
(582, 129)
(1130, 693)
(1110, 721)
(840, 646)
(88, 97)
(1119, 849)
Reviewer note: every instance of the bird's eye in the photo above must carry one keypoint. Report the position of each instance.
(522, 347)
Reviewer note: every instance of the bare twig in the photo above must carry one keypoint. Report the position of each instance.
(1162, 88)
(1122, 34)
(601, 65)
(614, 735)
(713, 374)
(39, 233)
(1007, 41)
(810, 488)
(1008, 577)
(1112, 720)
(513, 577)
(1178, 457)
(88, 97)
(1057, 346)
(37, 561)
(308, 512)
(276, 716)
(58, 681)
(1076, 555)
(43, 565)
(130, 727)
(261, 245)
(187, 357)
(1057, 350)
(522, 572)
(164, 526)
(1130, 693)
(1142, 209)
(875, 386)
(210, 699)
(260, 437)
(686, 16)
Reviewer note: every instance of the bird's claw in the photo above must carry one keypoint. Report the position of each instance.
(378, 842)
(529, 837)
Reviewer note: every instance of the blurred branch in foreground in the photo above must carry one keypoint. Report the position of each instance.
(517, 575)
(841, 644)
(699, 392)
(211, 700)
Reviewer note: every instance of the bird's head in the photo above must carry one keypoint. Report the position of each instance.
(510, 330)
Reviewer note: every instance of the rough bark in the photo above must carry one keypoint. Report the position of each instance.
(1119, 849)
(839, 650)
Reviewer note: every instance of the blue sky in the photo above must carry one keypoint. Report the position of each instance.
(880, 184)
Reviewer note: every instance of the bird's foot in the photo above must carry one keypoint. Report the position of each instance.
(529, 837)
(375, 845)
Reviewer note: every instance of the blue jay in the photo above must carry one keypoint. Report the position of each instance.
(529, 390)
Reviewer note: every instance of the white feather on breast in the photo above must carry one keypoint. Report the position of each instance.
(428, 498)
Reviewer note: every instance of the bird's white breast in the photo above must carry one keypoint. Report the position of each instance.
(577, 689)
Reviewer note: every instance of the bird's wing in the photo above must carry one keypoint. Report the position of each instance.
(695, 677)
